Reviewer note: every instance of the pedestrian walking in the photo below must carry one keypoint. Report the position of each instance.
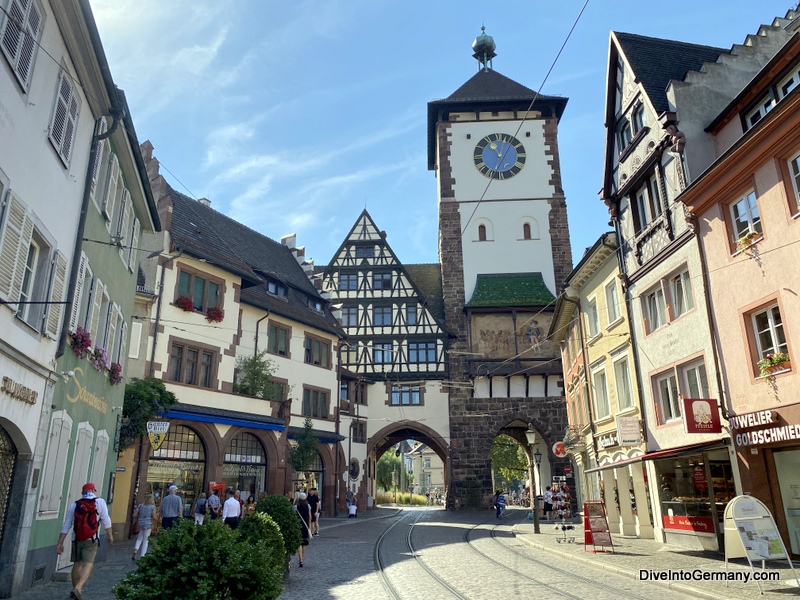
(548, 504)
(200, 509)
(352, 510)
(171, 507)
(349, 498)
(214, 504)
(500, 504)
(249, 506)
(316, 506)
(231, 510)
(84, 517)
(146, 517)
(303, 511)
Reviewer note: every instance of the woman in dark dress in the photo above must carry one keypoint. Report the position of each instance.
(304, 514)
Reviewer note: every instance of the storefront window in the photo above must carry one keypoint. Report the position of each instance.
(245, 465)
(684, 494)
(179, 461)
(787, 464)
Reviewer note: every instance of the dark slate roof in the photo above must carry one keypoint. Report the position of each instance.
(656, 62)
(511, 289)
(428, 279)
(489, 90)
(208, 234)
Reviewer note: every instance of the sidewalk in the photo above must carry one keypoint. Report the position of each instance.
(632, 555)
(108, 573)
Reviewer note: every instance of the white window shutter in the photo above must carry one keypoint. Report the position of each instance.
(122, 348)
(58, 285)
(55, 463)
(78, 296)
(111, 329)
(100, 147)
(16, 238)
(124, 229)
(80, 460)
(136, 339)
(133, 249)
(111, 189)
(19, 44)
(97, 303)
(12, 33)
(98, 475)
(58, 124)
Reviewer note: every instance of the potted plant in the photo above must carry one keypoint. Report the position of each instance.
(747, 239)
(115, 373)
(215, 315)
(80, 342)
(185, 303)
(772, 363)
(99, 359)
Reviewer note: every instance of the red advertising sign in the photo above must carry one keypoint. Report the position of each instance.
(701, 524)
(700, 482)
(701, 415)
(568, 470)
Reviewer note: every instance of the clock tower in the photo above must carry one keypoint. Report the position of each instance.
(504, 252)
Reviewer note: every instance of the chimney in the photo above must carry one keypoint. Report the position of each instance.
(205, 202)
(289, 240)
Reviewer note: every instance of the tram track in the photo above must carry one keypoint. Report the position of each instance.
(390, 587)
(568, 575)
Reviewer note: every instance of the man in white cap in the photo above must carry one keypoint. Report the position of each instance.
(171, 507)
(84, 516)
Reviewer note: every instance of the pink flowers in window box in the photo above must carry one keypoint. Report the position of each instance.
(80, 342)
(185, 303)
(115, 373)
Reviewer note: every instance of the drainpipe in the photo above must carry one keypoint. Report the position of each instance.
(712, 329)
(117, 114)
(152, 369)
(255, 351)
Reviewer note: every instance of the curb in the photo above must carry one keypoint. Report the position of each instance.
(675, 586)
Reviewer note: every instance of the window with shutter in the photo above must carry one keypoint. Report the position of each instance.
(133, 248)
(124, 230)
(122, 347)
(110, 328)
(57, 293)
(98, 291)
(19, 37)
(100, 159)
(136, 339)
(17, 228)
(78, 297)
(110, 200)
(98, 475)
(55, 463)
(80, 460)
(65, 117)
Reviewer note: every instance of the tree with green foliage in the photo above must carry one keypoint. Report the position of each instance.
(389, 463)
(254, 376)
(144, 399)
(509, 459)
(303, 454)
(203, 562)
(280, 510)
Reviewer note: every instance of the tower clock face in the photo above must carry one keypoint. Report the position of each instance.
(499, 156)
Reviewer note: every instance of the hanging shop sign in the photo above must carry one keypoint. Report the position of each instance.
(701, 415)
(157, 432)
(629, 433)
(766, 429)
(559, 450)
(608, 440)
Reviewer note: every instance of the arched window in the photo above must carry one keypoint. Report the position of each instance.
(245, 464)
(481, 233)
(181, 443)
(526, 231)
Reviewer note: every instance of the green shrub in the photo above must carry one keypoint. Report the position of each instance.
(261, 528)
(281, 510)
(205, 562)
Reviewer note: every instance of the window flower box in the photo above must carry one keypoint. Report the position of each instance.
(81, 343)
(115, 374)
(747, 240)
(99, 359)
(185, 303)
(215, 315)
(773, 363)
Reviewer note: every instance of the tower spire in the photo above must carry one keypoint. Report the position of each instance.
(484, 48)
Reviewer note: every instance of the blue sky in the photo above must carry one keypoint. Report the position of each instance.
(294, 116)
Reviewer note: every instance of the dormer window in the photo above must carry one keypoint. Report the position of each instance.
(276, 288)
(315, 304)
(624, 134)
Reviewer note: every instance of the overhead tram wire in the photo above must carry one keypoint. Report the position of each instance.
(527, 112)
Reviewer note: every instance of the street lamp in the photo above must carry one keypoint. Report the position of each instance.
(530, 434)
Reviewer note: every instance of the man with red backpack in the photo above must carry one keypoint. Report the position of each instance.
(84, 517)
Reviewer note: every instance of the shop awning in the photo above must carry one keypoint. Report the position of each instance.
(614, 465)
(666, 453)
(202, 414)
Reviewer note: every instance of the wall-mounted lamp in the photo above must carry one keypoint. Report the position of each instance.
(65, 375)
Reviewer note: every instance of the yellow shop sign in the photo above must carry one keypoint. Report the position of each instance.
(86, 396)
